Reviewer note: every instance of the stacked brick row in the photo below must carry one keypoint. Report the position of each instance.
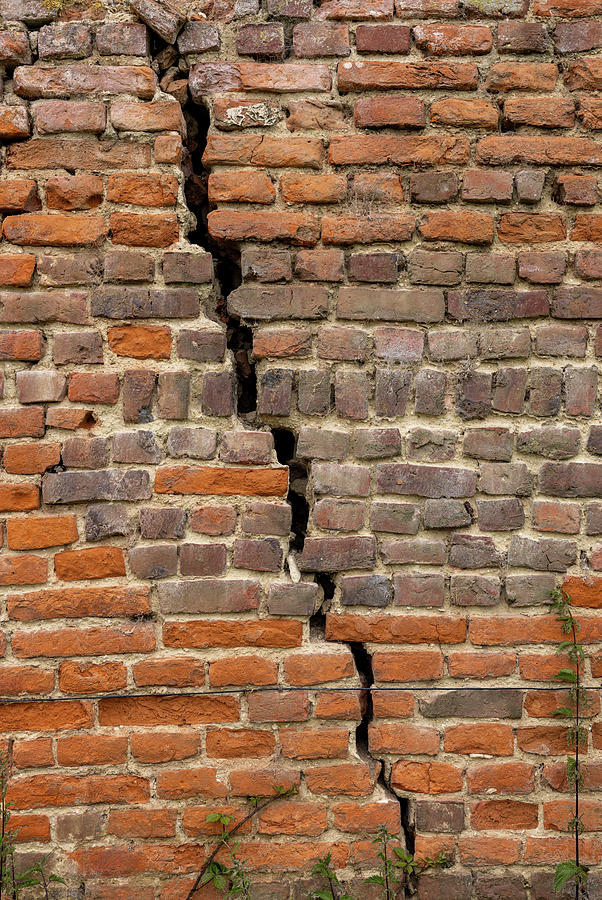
(413, 191)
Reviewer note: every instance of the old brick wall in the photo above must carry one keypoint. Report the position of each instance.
(325, 418)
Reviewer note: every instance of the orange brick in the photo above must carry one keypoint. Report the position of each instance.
(74, 790)
(138, 230)
(464, 227)
(94, 562)
(531, 228)
(313, 188)
(293, 817)
(229, 743)
(19, 497)
(241, 670)
(140, 341)
(221, 481)
(143, 190)
(495, 740)
(34, 754)
(23, 570)
(431, 777)
(16, 269)
(66, 715)
(35, 532)
(407, 665)
(476, 850)
(75, 603)
(88, 678)
(91, 750)
(315, 668)
(319, 743)
(170, 671)
(503, 778)
(586, 592)
(463, 663)
(241, 186)
(25, 680)
(154, 747)
(40, 229)
(142, 823)
(31, 459)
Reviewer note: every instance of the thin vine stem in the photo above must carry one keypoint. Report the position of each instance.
(198, 883)
(577, 743)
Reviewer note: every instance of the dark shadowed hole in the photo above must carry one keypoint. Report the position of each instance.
(285, 444)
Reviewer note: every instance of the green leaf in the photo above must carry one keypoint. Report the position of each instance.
(565, 871)
(563, 711)
(374, 879)
(213, 817)
(569, 871)
(565, 675)
(322, 895)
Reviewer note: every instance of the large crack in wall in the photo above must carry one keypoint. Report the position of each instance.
(239, 334)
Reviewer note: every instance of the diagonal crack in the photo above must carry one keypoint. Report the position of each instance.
(228, 275)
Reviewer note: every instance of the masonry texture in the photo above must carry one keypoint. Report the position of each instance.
(298, 322)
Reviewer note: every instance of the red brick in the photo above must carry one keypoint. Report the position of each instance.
(69, 192)
(56, 81)
(91, 750)
(75, 602)
(494, 740)
(95, 562)
(19, 496)
(464, 227)
(431, 777)
(418, 75)
(504, 778)
(89, 641)
(149, 230)
(140, 341)
(23, 570)
(16, 270)
(241, 186)
(88, 678)
(36, 230)
(154, 746)
(75, 790)
(221, 481)
(473, 113)
(142, 190)
(453, 40)
(33, 532)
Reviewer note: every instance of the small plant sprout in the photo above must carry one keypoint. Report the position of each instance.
(12, 882)
(334, 890)
(230, 877)
(571, 870)
(400, 869)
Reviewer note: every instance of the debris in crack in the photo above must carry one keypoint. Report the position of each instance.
(285, 444)
(363, 664)
(317, 623)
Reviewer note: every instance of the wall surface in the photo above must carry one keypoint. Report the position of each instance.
(298, 322)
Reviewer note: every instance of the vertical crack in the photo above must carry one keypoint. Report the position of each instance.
(226, 257)
(228, 275)
(285, 444)
(363, 663)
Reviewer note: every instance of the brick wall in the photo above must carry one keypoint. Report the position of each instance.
(298, 322)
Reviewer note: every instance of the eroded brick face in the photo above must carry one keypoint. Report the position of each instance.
(363, 389)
